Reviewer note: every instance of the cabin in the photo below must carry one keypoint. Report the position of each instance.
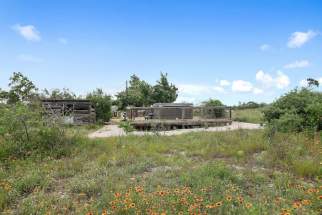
(70, 111)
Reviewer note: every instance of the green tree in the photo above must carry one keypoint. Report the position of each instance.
(163, 91)
(312, 82)
(212, 102)
(138, 93)
(65, 93)
(21, 89)
(298, 110)
(102, 103)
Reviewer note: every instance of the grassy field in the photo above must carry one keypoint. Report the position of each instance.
(238, 172)
(253, 115)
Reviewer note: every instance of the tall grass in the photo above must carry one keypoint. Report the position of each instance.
(208, 166)
(253, 115)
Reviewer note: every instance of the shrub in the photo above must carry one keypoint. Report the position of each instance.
(25, 132)
(102, 103)
(127, 127)
(298, 110)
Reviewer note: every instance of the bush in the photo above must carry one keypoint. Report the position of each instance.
(25, 132)
(127, 127)
(298, 110)
(102, 103)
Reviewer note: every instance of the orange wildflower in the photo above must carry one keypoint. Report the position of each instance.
(161, 193)
(249, 205)
(104, 212)
(132, 205)
(297, 204)
(218, 204)
(138, 189)
(117, 195)
(306, 202)
(229, 198)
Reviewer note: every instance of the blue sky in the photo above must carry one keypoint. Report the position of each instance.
(231, 50)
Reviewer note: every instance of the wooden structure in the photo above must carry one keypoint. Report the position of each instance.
(70, 111)
(162, 111)
(165, 116)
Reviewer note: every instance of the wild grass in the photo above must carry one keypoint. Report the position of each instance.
(253, 115)
(237, 172)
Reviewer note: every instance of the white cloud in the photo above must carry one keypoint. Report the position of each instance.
(62, 40)
(29, 58)
(282, 80)
(264, 78)
(257, 91)
(297, 64)
(320, 81)
(224, 83)
(303, 83)
(265, 47)
(29, 32)
(298, 39)
(241, 86)
(218, 89)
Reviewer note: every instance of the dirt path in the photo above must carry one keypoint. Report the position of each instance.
(114, 130)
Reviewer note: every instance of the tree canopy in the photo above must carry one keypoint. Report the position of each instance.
(21, 89)
(298, 110)
(212, 102)
(140, 93)
(102, 103)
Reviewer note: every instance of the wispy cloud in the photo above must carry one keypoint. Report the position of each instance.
(224, 83)
(29, 58)
(29, 32)
(63, 40)
(282, 80)
(265, 47)
(297, 64)
(298, 39)
(241, 86)
(257, 91)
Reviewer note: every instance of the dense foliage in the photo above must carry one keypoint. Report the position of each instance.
(212, 102)
(58, 94)
(21, 89)
(25, 132)
(298, 110)
(102, 103)
(249, 105)
(140, 93)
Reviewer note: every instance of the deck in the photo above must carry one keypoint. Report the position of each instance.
(177, 124)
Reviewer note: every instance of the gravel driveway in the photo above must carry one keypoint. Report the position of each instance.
(114, 130)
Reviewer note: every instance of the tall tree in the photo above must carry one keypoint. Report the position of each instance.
(163, 91)
(102, 103)
(138, 93)
(21, 89)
